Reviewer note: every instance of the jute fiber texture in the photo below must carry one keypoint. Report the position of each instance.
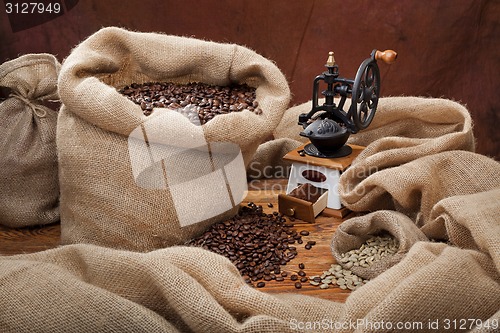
(435, 286)
(140, 182)
(29, 190)
(86, 288)
(418, 153)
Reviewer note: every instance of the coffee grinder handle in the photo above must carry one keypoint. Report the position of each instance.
(387, 56)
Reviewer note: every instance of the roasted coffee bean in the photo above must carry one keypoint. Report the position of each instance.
(304, 233)
(294, 277)
(298, 285)
(280, 278)
(303, 279)
(308, 246)
(311, 242)
(301, 273)
(261, 284)
(199, 101)
(270, 205)
(255, 242)
(302, 266)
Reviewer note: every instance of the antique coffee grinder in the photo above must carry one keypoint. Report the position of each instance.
(328, 126)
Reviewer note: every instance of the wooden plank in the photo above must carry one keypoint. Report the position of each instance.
(339, 213)
(29, 240)
(316, 260)
(340, 163)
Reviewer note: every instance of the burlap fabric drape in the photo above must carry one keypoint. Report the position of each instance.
(118, 187)
(29, 189)
(436, 286)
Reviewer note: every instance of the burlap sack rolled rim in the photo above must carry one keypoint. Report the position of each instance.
(352, 233)
(92, 83)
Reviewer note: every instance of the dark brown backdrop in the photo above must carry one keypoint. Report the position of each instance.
(446, 48)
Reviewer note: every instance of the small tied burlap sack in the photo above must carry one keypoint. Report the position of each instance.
(29, 190)
(141, 182)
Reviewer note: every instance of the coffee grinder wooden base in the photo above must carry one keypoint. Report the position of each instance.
(320, 172)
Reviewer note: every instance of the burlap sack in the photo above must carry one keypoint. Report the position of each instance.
(399, 117)
(405, 129)
(424, 185)
(29, 190)
(401, 169)
(407, 167)
(118, 187)
(268, 160)
(436, 287)
(351, 234)
(85, 288)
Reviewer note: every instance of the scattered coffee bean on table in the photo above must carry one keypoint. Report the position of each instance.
(336, 275)
(255, 242)
(199, 102)
(309, 245)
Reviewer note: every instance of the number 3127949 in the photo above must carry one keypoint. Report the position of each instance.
(32, 8)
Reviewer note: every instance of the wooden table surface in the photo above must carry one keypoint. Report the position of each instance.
(261, 192)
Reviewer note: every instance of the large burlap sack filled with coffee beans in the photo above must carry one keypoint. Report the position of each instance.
(29, 190)
(140, 182)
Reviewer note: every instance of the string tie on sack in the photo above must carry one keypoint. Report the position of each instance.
(38, 110)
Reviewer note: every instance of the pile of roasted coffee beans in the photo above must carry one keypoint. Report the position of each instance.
(203, 100)
(258, 244)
